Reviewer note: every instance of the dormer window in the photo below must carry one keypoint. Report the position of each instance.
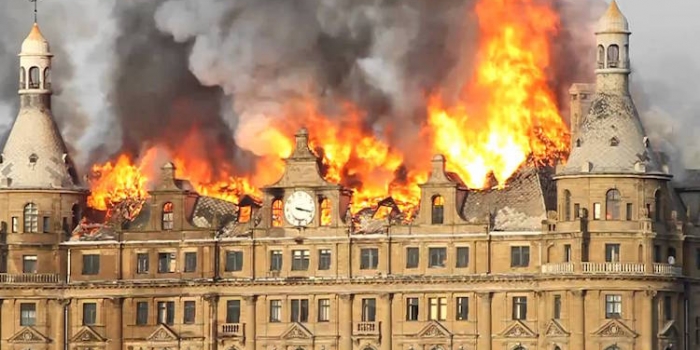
(244, 214)
(168, 216)
(33, 158)
(277, 213)
(438, 210)
(614, 141)
(578, 142)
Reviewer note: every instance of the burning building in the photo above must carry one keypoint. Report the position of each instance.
(596, 253)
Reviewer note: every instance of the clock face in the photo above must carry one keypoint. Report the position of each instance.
(300, 209)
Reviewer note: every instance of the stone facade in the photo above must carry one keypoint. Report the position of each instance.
(581, 260)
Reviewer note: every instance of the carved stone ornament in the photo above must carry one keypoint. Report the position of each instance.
(554, 329)
(518, 330)
(296, 331)
(28, 335)
(162, 334)
(616, 329)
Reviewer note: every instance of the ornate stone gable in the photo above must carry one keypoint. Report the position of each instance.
(615, 328)
(296, 331)
(162, 334)
(87, 335)
(518, 329)
(28, 335)
(555, 330)
(434, 330)
(669, 331)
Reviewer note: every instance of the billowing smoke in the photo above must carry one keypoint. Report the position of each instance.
(129, 74)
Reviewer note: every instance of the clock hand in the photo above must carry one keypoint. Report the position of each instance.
(302, 209)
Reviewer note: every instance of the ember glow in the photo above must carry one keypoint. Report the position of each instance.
(506, 114)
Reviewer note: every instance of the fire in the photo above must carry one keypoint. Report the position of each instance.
(508, 112)
(113, 183)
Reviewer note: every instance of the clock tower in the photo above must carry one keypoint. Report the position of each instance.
(302, 198)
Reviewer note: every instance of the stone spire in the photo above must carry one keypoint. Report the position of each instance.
(611, 139)
(35, 156)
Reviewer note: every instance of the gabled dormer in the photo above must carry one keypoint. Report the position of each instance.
(442, 196)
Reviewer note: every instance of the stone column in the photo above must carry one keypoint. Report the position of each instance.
(577, 318)
(59, 325)
(484, 321)
(385, 325)
(250, 320)
(116, 322)
(649, 320)
(213, 332)
(345, 321)
(542, 317)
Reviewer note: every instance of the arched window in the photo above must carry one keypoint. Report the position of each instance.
(438, 210)
(612, 205)
(22, 78)
(76, 215)
(613, 347)
(34, 78)
(167, 219)
(671, 253)
(658, 206)
(614, 141)
(31, 218)
(567, 205)
(277, 213)
(47, 78)
(325, 212)
(33, 158)
(578, 142)
(613, 56)
(557, 348)
(244, 214)
(601, 56)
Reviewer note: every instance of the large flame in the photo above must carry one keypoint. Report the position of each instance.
(506, 114)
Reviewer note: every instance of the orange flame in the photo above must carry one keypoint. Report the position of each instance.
(114, 183)
(516, 115)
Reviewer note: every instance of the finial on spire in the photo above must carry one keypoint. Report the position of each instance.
(35, 9)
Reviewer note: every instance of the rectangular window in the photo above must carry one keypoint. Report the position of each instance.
(190, 262)
(324, 259)
(369, 258)
(300, 310)
(46, 224)
(629, 212)
(596, 211)
(462, 257)
(520, 308)
(438, 309)
(557, 307)
(369, 310)
(412, 309)
(233, 311)
(577, 211)
(142, 263)
(166, 312)
(15, 221)
(519, 256)
(668, 308)
(657, 253)
(141, 313)
(234, 261)
(89, 314)
(275, 260)
(27, 314)
(166, 262)
(462, 309)
(190, 313)
(275, 310)
(91, 264)
(412, 257)
(437, 257)
(300, 260)
(29, 264)
(324, 310)
(613, 306)
(567, 252)
(612, 253)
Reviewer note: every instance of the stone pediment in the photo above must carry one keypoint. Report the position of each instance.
(87, 335)
(296, 331)
(554, 329)
(615, 328)
(669, 330)
(434, 330)
(162, 334)
(518, 329)
(28, 335)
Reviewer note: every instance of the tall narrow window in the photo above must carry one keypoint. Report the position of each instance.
(412, 257)
(29, 264)
(166, 312)
(412, 309)
(46, 224)
(567, 205)
(438, 212)
(325, 212)
(612, 205)
(141, 313)
(613, 306)
(519, 308)
(369, 310)
(31, 218)
(275, 260)
(244, 214)
(567, 252)
(277, 213)
(22, 78)
(668, 308)
(462, 313)
(47, 78)
(190, 261)
(141, 263)
(601, 56)
(300, 260)
(300, 310)
(275, 310)
(91, 264)
(613, 56)
(658, 207)
(167, 219)
(27, 314)
(629, 212)
(612, 252)
(89, 314)
(462, 257)
(324, 310)
(190, 312)
(324, 259)
(76, 214)
(438, 309)
(34, 79)
(577, 211)
(596, 211)
(557, 307)
(233, 311)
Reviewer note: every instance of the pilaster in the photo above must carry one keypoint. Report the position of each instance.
(345, 321)
(116, 323)
(649, 322)
(484, 321)
(385, 326)
(578, 319)
(58, 327)
(250, 319)
(213, 305)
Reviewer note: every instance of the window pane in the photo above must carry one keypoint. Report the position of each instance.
(324, 310)
(233, 311)
(190, 262)
(462, 256)
(89, 314)
(412, 258)
(437, 256)
(190, 312)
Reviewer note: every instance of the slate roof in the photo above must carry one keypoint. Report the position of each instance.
(611, 140)
(207, 208)
(521, 205)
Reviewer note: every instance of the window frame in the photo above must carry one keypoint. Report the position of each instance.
(189, 312)
(299, 310)
(89, 317)
(612, 252)
(324, 259)
(142, 265)
(275, 311)
(234, 261)
(276, 260)
(462, 309)
(462, 254)
(190, 262)
(233, 311)
(519, 308)
(369, 310)
(30, 260)
(520, 256)
(167, 262)
(556, 308)
(141, 313)
(324, 310)
(437, 309)
(301, 259)
(437, 257)
(613, 306)
(91, 264)
(412, 309)
(369, 258)
(27, 314)
(165, 310)
(412, 257)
